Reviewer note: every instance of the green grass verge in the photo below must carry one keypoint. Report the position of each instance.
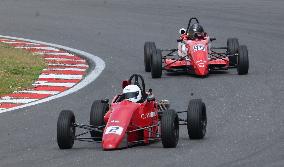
(18, 68)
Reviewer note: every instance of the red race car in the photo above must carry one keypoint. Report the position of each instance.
(195, 55)
(133, 117)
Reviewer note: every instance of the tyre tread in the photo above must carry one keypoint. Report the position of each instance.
(194, 116)
(97, 113)
(156, 64)
(243, 60)
(64, 138)
(169, 140)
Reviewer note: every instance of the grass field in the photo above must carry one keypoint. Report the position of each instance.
(18, 68)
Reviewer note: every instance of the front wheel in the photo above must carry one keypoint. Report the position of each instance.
(196, 119)
(169, 129)
(243, 60)
(232, 46)
(97, 113)
(156, 64)
(149, 49)
(65, 129)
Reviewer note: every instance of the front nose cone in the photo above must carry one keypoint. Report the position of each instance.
(201, 70)
(110, 142)
(109, 147)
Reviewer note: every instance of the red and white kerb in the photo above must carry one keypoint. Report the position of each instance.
(63, 72)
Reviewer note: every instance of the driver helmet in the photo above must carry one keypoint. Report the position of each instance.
(196, 31)
(132, 93)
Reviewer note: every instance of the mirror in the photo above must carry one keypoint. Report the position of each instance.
(151, 98)
(212, 39)
(124, 83)
(182, 31)
(106, 100)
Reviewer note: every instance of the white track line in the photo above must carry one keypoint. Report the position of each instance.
(70, 65)
(36, 47)
(64, 69)
(19, 42)
(47, 52)
(65, 59)
(17, 100)
(66, 64)
(61, 54)
(33, 44)
(39, 92)
(91, 76)
(55, 53)
(5, 39)
(43, 83)
(61, 76)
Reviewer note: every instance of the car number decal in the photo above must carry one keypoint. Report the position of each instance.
(199, 47)
(114, 130)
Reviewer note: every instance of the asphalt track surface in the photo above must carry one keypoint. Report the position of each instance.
(245, 113)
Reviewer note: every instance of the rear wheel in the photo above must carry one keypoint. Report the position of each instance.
(232, 45)
(149, 49)
(97, 113)
(169, 129)
(156, 64)
(243, 60)
(196, 119)
(65, 129)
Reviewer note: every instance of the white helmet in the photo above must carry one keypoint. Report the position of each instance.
(132, 93)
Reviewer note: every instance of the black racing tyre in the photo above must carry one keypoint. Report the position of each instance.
(156, 64)
(243, 60)
(149, 49)
(169, 129)
(233, 46)
(97, 114)
(66, 129)
(196, 119)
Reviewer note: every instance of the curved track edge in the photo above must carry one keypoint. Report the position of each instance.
(90, 76)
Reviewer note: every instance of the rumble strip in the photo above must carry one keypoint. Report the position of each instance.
(65, 70)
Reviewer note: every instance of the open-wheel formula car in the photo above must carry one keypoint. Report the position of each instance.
(195, 55)
(131, 118)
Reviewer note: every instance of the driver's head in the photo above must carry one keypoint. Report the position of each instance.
(196, 31)
(132, 93)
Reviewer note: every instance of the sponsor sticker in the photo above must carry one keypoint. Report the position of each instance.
(114, 130)
(114, 121)
(201, 63)
(148, 115)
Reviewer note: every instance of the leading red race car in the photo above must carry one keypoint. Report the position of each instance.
(133, 117)
(195, 55)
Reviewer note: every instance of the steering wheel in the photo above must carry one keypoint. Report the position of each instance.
(139, 81)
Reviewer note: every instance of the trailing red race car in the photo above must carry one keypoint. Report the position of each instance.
(195, 55)
(133, 117)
